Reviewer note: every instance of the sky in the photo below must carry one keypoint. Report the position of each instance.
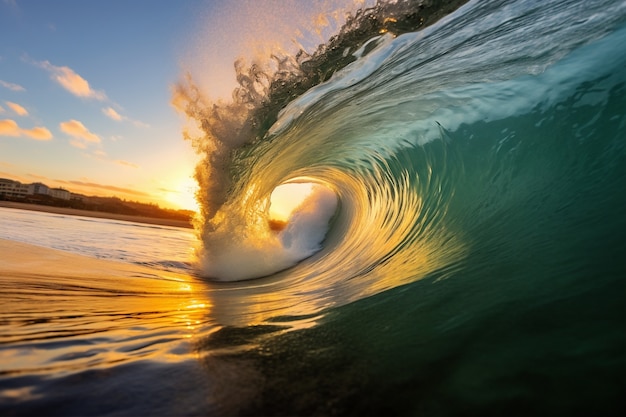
(86, 86)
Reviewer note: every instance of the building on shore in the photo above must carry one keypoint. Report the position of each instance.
(15, 189)
(38, 188)
(59, 193)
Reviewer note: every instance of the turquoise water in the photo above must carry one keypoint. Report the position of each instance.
(474, 264)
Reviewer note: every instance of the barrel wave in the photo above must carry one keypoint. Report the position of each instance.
(472, 261)
(431, 139)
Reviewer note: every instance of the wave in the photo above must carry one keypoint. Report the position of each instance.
(428, 143)
(253, 250)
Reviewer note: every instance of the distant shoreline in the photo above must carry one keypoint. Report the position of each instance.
(96, 214)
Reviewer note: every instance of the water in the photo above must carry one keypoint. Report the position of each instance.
(169, 248)
(474, 264)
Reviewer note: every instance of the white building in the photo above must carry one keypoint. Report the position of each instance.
(10, 188)
(38, 188)
(59, 193)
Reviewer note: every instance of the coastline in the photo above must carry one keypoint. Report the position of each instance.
(96, 214)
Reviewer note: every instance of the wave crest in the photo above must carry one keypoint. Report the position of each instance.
(225, 131)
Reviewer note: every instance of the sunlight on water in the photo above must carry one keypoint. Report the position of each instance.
(112, 317)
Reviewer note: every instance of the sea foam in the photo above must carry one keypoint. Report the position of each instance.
(252, 253)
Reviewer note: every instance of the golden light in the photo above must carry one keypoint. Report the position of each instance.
(286, 198)
(183, 195)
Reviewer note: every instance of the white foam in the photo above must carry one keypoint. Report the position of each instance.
(253, 252)
(308, 223)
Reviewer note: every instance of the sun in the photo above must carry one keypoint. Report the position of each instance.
(286, 198)
(182, 195)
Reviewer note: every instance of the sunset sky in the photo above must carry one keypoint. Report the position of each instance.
(85, 86)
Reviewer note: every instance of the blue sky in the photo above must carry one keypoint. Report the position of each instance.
(85, 86)
(85, 92)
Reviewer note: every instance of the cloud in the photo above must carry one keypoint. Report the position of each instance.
(113, 114)
(84, 185)
(82, 136)
(17, 109)
(38, 177)
(140, 124)
(11, 175)
(39, 133)
(110, 112)
(11, 86)
(92, 185)
(10, 127)
(71, 81)
(126, 163)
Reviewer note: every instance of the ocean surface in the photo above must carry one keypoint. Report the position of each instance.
(163, 247)
(462, 251)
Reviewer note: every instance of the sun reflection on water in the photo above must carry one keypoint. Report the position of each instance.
(93, 314)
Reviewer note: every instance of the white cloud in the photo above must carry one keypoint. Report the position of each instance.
(12, 86)
(140, 124)
(126, 163)
(111, 113)
(17, 109)
(82, 137)
(10, 127)
(71, 81)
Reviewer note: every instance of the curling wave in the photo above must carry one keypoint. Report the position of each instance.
(425, 144)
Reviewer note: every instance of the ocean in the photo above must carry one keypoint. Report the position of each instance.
(461, 250)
